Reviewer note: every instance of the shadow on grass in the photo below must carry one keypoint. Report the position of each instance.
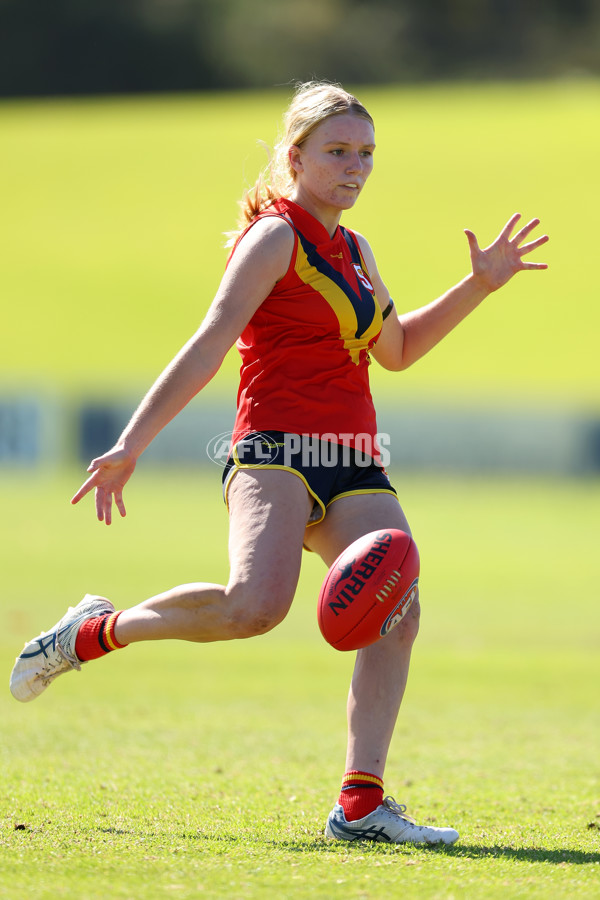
(525, 854)
(464, 851)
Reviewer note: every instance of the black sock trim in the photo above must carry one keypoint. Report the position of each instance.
(104, 646)
(361, 785)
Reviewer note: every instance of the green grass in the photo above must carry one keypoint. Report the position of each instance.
(173, 769)
(113, 213)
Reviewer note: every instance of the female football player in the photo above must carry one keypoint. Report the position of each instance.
(305, 302)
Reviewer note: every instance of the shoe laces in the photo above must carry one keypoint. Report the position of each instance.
(398, 809)
(65, 643)
(68, 658)
(55, 667)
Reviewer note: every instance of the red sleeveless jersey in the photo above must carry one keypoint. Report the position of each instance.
(305, 352)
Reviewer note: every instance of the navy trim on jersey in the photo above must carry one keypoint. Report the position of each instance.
(363, 303)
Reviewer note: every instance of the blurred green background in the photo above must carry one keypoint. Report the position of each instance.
(115, 210)
(114, 213)
(129, 132)
(116, 191)
(107, 46)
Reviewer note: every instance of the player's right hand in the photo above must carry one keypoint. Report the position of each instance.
(110, 474)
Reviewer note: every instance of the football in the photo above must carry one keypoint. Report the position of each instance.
(368, 589)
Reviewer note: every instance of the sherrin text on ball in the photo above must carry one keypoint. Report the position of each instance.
(369, 589)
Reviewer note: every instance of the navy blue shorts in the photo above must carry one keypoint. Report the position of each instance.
(329, 471)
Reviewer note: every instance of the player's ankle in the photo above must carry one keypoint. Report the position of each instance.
(96, 637)
(361, 793)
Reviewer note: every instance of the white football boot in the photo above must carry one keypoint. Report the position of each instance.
(46, 657)
(388, 823)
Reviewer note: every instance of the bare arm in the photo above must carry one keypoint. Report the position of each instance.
(260, 260)
(406, 338)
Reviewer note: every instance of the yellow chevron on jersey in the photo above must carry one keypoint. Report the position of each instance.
(312, 269)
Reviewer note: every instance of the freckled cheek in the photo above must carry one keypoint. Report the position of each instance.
(325, 180)
(322, 173)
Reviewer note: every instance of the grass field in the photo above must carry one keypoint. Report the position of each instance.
(113, 214)
(173, 769)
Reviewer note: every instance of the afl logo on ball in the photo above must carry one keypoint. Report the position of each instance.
(400, 609)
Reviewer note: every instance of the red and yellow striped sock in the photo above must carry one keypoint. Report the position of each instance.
(96, 637)
(361, 793)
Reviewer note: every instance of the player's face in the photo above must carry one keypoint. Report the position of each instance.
(333, 164)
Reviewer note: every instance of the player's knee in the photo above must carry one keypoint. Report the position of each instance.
(252, 622)
(250, 615)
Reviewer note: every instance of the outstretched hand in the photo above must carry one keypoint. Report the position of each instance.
(110, 473)
(496, 264)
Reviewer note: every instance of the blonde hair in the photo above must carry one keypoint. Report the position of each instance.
(312, 103)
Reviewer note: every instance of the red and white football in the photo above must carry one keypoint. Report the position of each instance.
(368, 589)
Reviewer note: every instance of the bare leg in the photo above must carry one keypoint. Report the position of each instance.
(381, 671)
(268, 512)
(376, 692)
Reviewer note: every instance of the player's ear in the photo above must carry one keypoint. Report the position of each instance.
(295, 158)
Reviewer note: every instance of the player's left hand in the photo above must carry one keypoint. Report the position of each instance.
(496, 264)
